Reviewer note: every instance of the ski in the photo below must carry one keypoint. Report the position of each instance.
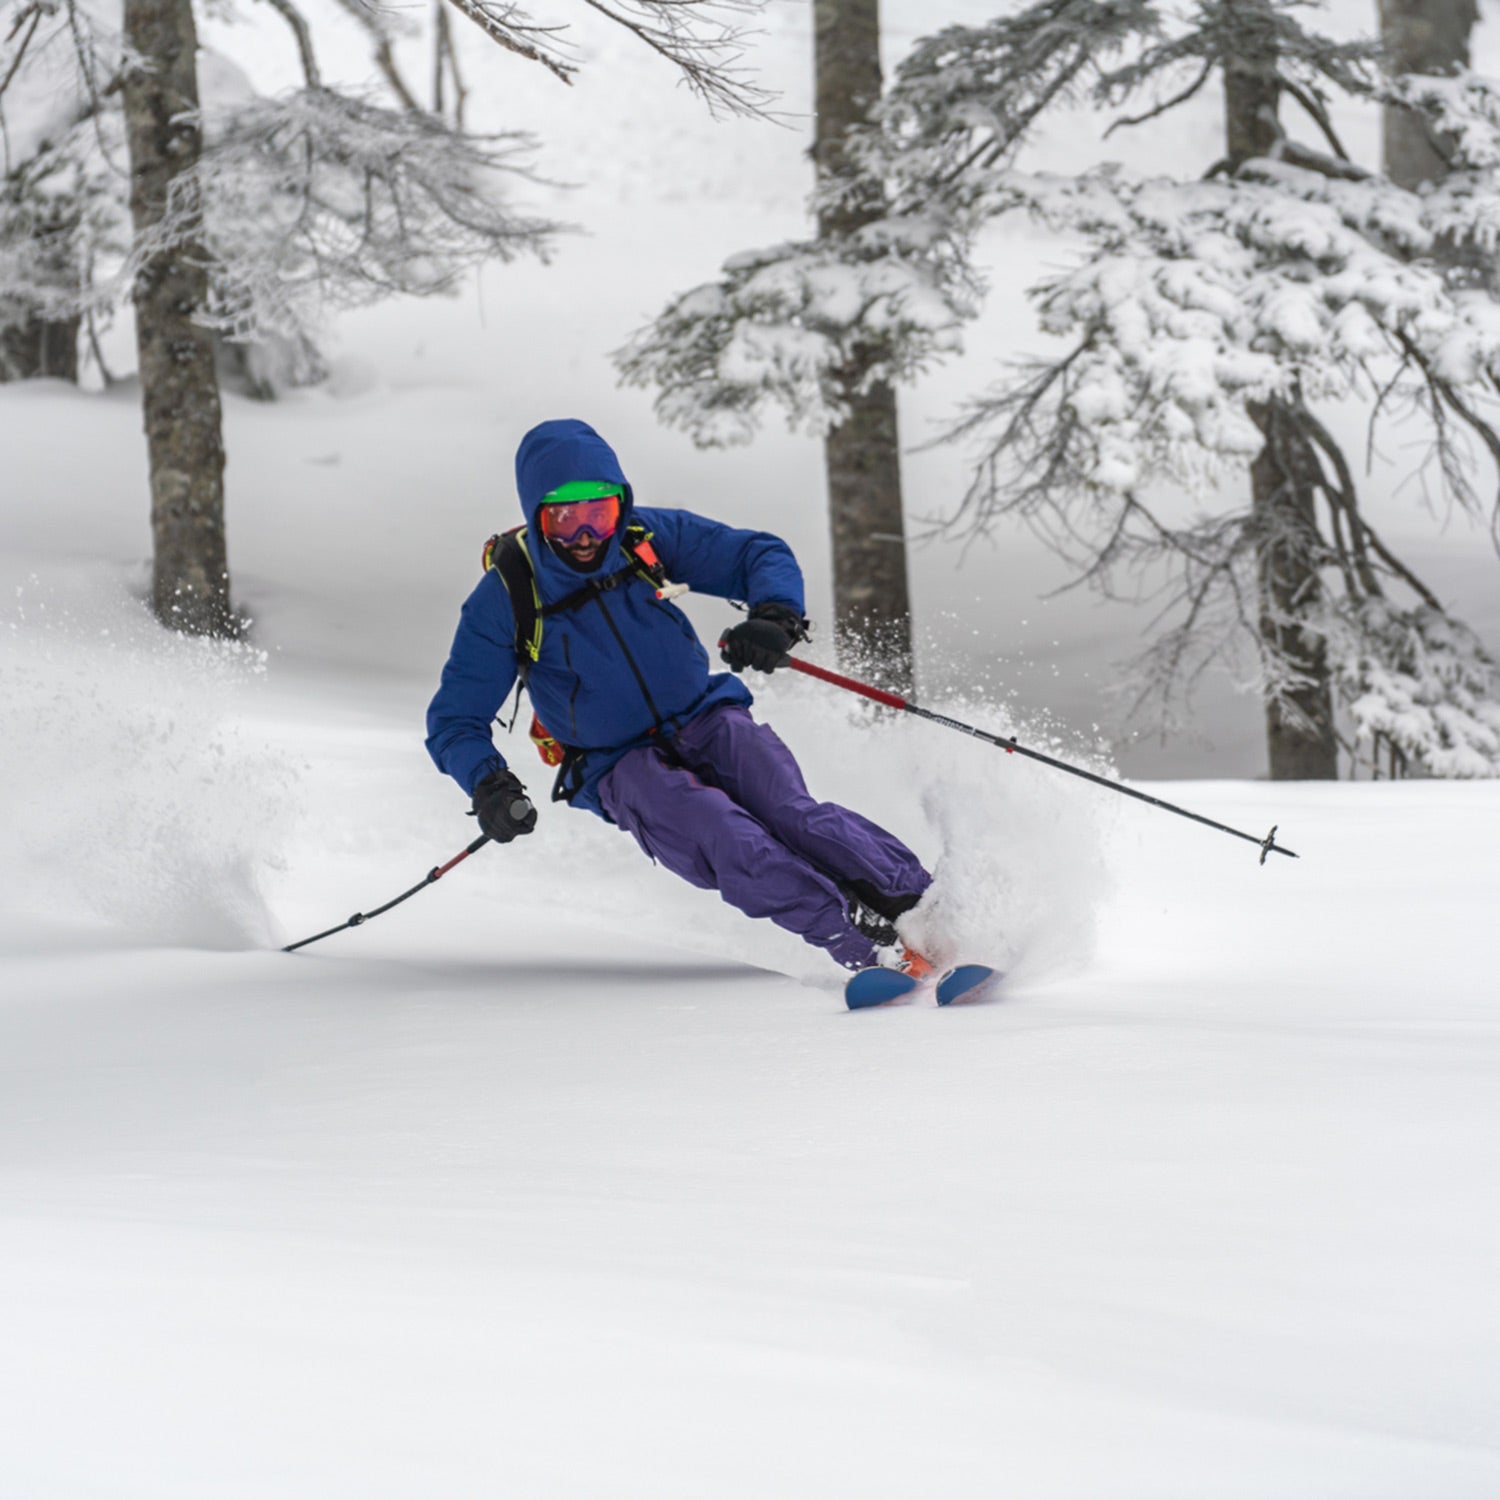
(877, 985)
(962, 980)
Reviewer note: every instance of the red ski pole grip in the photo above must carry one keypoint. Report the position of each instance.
(878, 695)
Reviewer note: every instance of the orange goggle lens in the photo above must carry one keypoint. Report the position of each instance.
(566, 523)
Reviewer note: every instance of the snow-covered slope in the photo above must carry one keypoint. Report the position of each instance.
(564, 1180)
(542, 1184)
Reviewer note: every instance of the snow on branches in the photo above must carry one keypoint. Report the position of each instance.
(320, 200)
(305, 204)
(62, 196)
(1200, 298)
(967, 97)
(1419, 686)
(702, 39)
(61, 211)
(1205, 325)
(785, 323)
(1462, 112)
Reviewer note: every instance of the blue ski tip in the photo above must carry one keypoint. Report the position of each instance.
(961, 980)
(876, 986)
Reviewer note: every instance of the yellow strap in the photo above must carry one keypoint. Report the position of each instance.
(534, 645)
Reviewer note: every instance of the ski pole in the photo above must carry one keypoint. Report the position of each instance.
(518, 809)
(1267, 845)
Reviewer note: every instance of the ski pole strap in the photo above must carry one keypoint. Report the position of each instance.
(361, 917)
(1267, 845)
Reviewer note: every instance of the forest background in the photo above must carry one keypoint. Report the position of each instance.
(987, 616)
(564, 1178)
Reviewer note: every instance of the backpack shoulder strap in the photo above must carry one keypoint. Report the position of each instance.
(507, 554)
(646, 568)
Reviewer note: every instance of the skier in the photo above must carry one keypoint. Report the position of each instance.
(579, 604)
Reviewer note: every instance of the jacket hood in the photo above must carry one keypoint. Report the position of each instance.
(554, 453)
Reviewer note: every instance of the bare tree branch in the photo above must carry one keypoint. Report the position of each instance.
(705, 60)
(295, 19)
(1344, 497)
(33, 15)
(1444, 393)
(79, 28)
(445, 66)
(503, 25)
(1319, 114)
(1166, 104)
(385, 58)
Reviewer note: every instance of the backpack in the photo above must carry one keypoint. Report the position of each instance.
(508, 555)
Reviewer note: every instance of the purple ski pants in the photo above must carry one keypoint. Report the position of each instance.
(723, 804)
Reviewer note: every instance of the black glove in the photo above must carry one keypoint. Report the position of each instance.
(763, 640)
(502, 806)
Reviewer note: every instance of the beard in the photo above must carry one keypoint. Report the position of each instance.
(577, 564)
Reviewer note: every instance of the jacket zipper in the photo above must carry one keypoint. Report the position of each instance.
(630, 660)
(577, 683)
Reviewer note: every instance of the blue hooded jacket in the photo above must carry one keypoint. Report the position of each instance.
(624, 666)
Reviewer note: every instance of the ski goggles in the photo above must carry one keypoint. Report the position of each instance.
(592, 507)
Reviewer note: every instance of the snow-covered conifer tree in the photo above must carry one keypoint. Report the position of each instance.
(1208, 329)
(826, 327)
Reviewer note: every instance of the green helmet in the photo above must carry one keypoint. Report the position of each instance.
(583, 489)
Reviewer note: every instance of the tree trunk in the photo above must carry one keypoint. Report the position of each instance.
(179, 385)
(1252, 97)
(872, 604)
(862, 456)
(1300, 730)
(1421, 36)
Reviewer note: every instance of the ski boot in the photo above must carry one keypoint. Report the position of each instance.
(899, 971)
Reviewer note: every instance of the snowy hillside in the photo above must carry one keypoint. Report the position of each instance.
(491, 1198)
(563, 1179)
